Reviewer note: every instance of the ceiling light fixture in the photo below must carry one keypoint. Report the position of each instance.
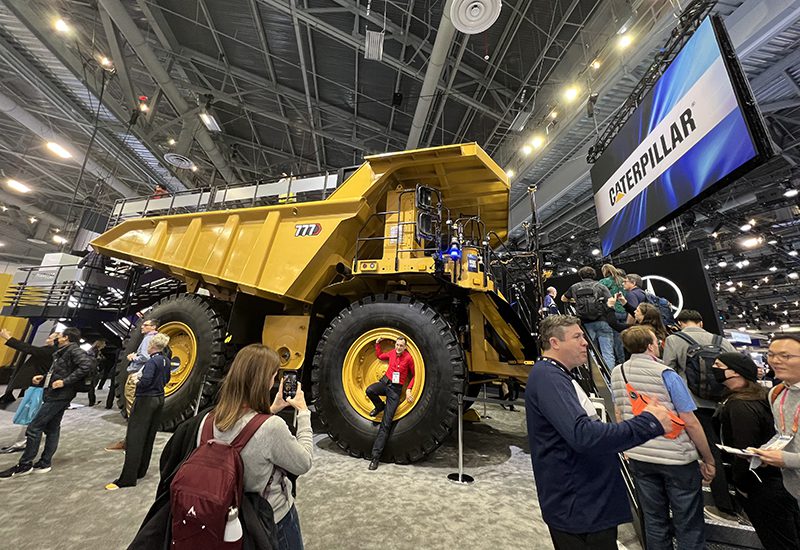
(526, 150)
(61, 26)
(793, 275)
(746, 227)
(654, 240)
(723, 263)
(33, 219)
(104, 61)
(171, 141)
(731, 289)
(58, 239)
(553, 114)
(58, 150)
(772, 241)
(595, 252)
(773, 268)
(793, 253)
(624, 41)
(210, 122)
(571, 94)
(728, 283)
(537, 142)
(595, 64)
(662, 228)
(752, 242)
(510, 173)
(790, 193)
(18, 186)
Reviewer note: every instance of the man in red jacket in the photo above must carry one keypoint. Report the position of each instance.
(401, 368)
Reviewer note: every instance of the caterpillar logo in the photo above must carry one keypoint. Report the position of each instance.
(307, 229)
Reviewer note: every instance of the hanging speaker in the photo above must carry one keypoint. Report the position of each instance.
(474, 16)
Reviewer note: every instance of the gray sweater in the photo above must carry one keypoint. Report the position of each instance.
(791, 453)
(273, 444)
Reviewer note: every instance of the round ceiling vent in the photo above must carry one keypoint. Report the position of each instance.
(474, 16)
(179, 161)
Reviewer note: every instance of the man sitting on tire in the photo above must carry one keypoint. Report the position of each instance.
(401, 368)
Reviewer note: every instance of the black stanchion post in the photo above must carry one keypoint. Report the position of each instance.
(460, 476)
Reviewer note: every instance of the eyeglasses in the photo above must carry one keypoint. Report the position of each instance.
(771, 355)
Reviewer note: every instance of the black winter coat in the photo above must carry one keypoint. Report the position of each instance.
(38, 362)
(72, 365)
(155, 532)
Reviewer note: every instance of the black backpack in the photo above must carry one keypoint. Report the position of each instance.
(664, 308)
(699, 362)
(91, 377)
(590, 301)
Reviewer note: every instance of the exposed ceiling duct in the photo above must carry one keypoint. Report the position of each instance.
(12, 109)
(139, 44)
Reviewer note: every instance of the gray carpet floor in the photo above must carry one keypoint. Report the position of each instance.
(341, 504)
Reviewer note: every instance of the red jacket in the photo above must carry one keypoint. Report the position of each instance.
(403, 364)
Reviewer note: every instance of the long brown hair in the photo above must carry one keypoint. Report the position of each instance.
(753, 391)
(247, 385)
(613, 273)
(651, 317)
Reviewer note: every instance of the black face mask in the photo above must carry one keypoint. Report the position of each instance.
(719, 375)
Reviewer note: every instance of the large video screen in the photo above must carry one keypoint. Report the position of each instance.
(689, 133)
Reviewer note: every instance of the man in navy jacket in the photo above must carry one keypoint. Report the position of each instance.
(575, 456)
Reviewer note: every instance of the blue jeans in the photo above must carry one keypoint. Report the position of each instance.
(663, 488)
(602, 335)
(289, 537)
(48, 422)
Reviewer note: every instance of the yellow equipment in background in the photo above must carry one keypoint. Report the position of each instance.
(401, 248)
(15, 325)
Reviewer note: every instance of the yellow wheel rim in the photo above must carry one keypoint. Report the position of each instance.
(361, 368)
(183, 344)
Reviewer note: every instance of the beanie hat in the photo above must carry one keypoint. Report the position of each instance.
(740, 364)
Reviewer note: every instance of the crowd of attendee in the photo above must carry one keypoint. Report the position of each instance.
(693, 410)
(688, 410)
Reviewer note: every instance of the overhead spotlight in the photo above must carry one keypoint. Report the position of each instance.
(653, 240)
(537, 142)
(790, 193)
(624, 41)
(772, 241)
(104, 61)
(210, 121)
(793, 253)
(171, 141)
(58, 150)
(745, 262)
(752, 222)
(662, 228)
(723, 263)
(728, 283)
(595, 64)
(746, 227)
(61, 26)
(553, 114)
(773, 268)
(571, 93)
(58, 239)
(705, 266)
(595, 252)
(194, 168)
(33, 219)
(18, 186)
(3, 208)
(715, 234)
(510, 173)
(526, 150)
(731, 289)
(574, 270)
(740, 265)
(784, 326)
(572, 237)
(752, 242)
(144, 107)
(793, 275)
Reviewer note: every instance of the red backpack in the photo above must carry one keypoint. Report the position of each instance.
(207, 490)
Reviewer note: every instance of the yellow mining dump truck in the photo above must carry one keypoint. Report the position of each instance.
(400, 248)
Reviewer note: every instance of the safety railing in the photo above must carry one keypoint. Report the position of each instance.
(286, 189)
(68, 290)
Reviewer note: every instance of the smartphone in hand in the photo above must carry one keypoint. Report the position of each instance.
(289, 384)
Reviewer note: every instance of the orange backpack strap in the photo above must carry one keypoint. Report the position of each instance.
(776, 392)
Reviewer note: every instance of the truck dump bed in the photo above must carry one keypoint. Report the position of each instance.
(289, 252)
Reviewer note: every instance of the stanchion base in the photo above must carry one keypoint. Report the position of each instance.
(462, 479)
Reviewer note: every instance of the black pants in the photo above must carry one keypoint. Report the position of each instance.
(139, 438)
(48, 422)
(392, 393)
(599, 540)
(774, 515)
(105, 374)
(719, 485)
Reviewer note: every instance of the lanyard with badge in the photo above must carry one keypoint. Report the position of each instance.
(557, 365)
(782, 439)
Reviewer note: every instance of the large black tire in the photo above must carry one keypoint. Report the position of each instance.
(206, 320)
(434, 414)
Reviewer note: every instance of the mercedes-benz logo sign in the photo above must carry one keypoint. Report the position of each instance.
(675, 296)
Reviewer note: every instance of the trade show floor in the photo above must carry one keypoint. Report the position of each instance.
(341, 504)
